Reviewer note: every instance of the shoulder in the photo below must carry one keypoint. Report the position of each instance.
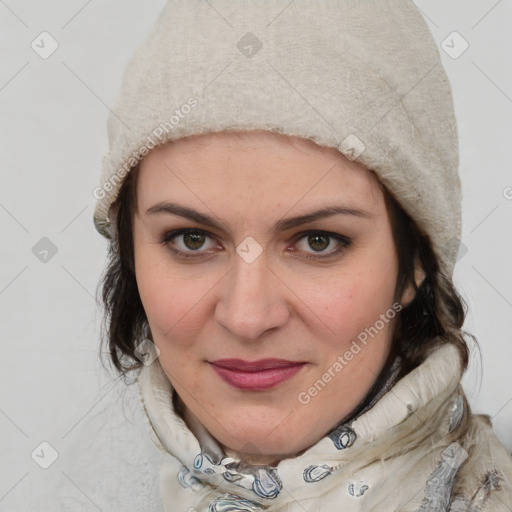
(484, 481)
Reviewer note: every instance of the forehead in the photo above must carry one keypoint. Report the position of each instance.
(253, 164)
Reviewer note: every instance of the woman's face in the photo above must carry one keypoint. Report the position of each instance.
(254, 272)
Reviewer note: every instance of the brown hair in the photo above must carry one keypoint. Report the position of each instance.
(434, 317)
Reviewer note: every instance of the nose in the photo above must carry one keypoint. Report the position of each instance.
(251, 300)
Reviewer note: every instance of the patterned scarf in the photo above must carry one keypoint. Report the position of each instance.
(397, 452)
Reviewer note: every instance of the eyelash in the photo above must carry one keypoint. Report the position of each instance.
(344, 242)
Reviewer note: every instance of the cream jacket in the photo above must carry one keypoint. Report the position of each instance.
(408, 451)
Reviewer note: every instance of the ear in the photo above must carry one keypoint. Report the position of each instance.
(112, 214)
(409, 292)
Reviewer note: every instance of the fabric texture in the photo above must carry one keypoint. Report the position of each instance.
(362, 76)
(407, 451)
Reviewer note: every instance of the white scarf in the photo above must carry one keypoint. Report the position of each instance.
(399, 453)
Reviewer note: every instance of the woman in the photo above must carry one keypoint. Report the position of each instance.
(283, 204)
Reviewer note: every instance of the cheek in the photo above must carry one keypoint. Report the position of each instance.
(173, 303)
(348, 302)
(157, 291)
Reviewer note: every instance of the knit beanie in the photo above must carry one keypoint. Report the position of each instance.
(362, 76)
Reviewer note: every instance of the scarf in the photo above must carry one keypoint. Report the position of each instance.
(403, 452)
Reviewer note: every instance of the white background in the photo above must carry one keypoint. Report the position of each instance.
(52, 136)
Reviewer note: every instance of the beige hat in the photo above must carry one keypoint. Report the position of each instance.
(362, 76)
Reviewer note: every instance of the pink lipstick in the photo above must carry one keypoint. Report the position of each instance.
(255, 375)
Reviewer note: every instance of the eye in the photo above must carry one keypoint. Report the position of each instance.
(191, 241)
(319, 241)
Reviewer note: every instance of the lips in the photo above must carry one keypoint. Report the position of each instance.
(254, 366)
(255, 375)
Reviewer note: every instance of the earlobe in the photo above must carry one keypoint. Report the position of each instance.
(408, 295)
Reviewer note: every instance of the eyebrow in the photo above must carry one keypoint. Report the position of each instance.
(281, 225)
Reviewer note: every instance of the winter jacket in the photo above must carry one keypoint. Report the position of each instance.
(416, 448)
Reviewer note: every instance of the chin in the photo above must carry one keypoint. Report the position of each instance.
(260, 441)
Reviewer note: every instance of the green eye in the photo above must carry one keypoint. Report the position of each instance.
(319, 241)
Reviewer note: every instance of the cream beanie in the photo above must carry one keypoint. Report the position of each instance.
(362, 76)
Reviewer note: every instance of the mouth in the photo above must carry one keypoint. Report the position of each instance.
(256, 375)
